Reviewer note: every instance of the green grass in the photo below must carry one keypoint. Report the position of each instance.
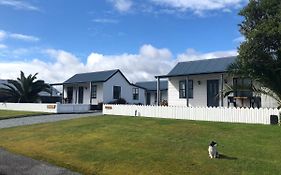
(6, 114)
(128, 145)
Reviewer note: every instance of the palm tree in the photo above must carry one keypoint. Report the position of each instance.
(24, 89)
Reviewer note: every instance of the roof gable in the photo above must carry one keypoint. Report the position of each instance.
(100, 76)
(206, 66)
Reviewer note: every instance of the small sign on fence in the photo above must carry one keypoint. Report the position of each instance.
(51, 106)
(108, 107)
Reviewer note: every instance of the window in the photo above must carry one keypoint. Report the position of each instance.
(94, 91)
(135, 93)
(182, 89)
(116, 92)
(242, 87)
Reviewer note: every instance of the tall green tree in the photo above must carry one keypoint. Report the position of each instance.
(24, 89)
(260, 54)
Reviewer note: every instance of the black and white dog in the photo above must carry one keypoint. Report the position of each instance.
(213, 153)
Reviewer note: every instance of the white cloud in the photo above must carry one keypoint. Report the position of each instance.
(3, 46)
(149, 51)
(17, 36)
(192, 54)
(198, 6)
(17, 4)
(24, 37)
(105, 21)
(122, 5)
(64, 65)
(150, 61)
(3, 34)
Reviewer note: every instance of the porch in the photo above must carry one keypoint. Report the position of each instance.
(82, 93)
(207, 90)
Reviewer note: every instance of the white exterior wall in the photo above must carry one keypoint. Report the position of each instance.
(268, 102)
(199, 91)
(126, 90)
(86, 93)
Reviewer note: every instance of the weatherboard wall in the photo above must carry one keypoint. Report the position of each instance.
(199, 90)
(126, 89)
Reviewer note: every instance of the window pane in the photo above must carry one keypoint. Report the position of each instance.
(135, 93)
(116, 92)
(182, 90)
(94, 91)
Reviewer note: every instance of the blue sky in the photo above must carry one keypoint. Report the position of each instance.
(143, 38)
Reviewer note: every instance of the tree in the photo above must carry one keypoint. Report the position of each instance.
(259, 55)
(24, 89)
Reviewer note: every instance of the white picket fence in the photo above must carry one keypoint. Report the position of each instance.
(48, 108)
(219, 114)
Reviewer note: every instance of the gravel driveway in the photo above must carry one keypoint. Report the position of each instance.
(13, 164)
(42, 119)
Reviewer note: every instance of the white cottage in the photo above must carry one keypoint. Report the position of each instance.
(206, 80)
(101, 87)
(151, 91)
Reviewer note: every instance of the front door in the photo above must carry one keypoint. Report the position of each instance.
(69, 93)
(212, 93)
(80, 95)
(148, 98)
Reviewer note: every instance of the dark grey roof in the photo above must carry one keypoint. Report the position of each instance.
(101, 76)
(152, 85)
(55, 93)
(216, 65)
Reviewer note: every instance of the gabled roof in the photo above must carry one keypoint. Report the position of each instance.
(207, 66)
(55, 93)
(152, 85)
(100, 76)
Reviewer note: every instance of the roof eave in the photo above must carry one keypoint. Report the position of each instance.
(67, 83)
(183, 75)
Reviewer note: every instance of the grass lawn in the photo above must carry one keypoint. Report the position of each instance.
(5, 114)
(128, 145)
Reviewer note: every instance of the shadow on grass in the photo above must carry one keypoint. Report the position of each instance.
(222, 156)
